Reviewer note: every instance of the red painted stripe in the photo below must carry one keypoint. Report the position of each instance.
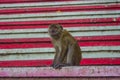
(99, 61)
(100, 43)
(27, 1)
(62, 9)
(47, 40)
(25, 40)
(4, 27)
(25, 45)
(46, 45)
(86, 61)
(70, 21)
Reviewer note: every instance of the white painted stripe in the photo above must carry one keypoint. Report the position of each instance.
(82, 28)
(27, 57)
(100, 54)
(45, 35)
(56, 6)
(45, 50)
(26, 50)
(80, 13)
(42, 4)
(44, 56)
(62, 18)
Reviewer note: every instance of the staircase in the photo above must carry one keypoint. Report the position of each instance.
(25, 46)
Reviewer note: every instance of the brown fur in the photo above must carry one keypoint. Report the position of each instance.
(68, 52)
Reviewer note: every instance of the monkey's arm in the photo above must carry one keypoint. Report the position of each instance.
(62, 55)
(56, 55)
(59, 58)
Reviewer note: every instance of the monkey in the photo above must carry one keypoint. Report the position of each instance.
(67, 49)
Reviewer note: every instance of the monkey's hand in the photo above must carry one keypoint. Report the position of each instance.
(56, 66)
(59, 66)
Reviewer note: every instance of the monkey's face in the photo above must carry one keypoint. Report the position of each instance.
(55, 30)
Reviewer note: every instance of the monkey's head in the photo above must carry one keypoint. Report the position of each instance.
(55, 30)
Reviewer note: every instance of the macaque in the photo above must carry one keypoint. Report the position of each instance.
(68, 52)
